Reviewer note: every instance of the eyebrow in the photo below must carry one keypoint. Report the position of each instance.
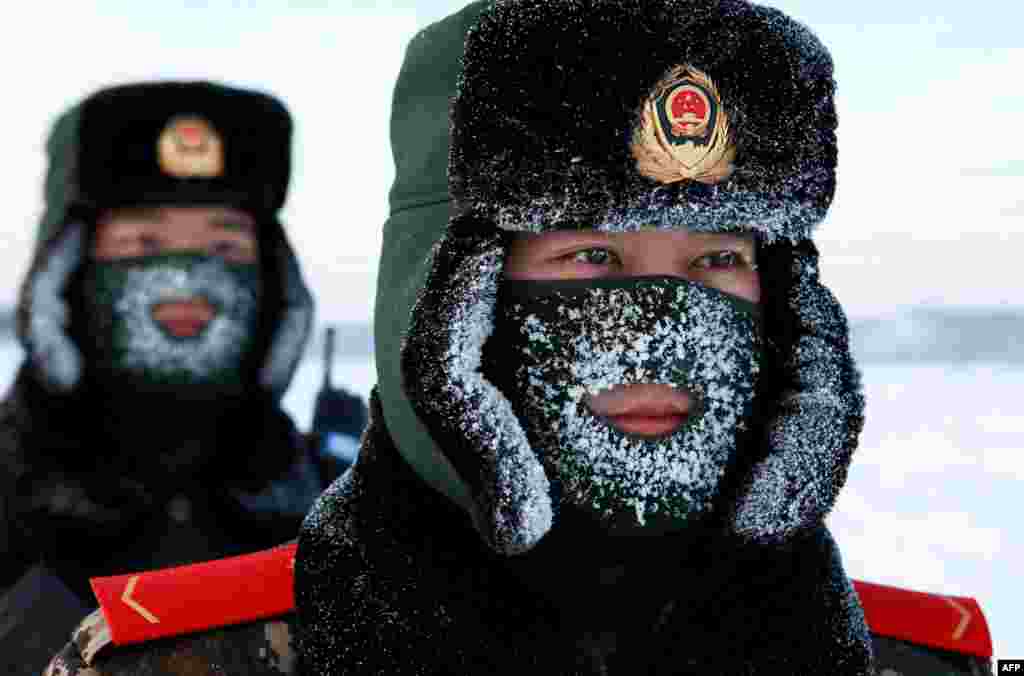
(146, 214)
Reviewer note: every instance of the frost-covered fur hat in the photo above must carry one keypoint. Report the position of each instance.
(713, 115)
(710, 115)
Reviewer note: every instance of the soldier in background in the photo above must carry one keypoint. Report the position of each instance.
(163, 316)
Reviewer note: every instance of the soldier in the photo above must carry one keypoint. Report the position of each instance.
(615, 402)
(163, 316)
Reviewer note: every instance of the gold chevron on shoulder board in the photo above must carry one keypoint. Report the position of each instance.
(683, 131)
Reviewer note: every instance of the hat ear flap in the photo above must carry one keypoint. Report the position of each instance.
(292, 332)
(468, 417)
(815, 427)
(45, 317)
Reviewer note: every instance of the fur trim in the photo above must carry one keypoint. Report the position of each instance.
(819, 417)
(466, 414)
(294, 324)
(44, 331)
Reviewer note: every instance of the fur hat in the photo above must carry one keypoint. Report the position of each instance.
(169, 143)
(710, 115)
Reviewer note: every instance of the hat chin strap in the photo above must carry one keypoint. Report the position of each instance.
(812, 438)
(469, 418)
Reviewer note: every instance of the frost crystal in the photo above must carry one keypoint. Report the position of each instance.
(514, 506)
(147, 349)
(667, 332)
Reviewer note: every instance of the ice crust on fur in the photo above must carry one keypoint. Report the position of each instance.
(55, 357)
(443, 353)
(814, 435)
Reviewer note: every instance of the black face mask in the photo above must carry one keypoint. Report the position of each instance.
(127, 345)
(555, 342)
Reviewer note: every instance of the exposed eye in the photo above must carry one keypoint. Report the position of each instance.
(232, 250)
(594, 256)
(721, 260)
(148, 245)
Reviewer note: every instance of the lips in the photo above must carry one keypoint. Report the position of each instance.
(642, 409)
(184, 319)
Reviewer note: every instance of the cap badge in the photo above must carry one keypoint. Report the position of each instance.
(683, 131)
(190, 147)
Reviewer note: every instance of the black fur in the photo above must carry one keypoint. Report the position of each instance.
(391, 578)
(256, 130)
(551, 91)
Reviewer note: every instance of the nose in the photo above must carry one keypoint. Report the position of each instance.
(657, 262)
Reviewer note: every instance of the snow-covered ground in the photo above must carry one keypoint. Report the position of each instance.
(934, 496)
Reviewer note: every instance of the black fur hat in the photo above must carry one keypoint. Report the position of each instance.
(171, 143)
(713, 114)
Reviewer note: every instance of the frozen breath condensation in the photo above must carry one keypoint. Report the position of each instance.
(666, 332)
(148, 349)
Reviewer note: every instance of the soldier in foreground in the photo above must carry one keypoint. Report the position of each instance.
(614, 403)
(163, 316)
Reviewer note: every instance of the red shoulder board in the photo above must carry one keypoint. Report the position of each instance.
(953, 623)
(186, 599)
(252, 587)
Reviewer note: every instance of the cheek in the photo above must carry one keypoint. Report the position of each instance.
(105, 249)
(748, 285)
(745, 283)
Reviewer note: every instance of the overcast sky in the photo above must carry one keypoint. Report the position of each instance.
(929, 205)
(930, 210)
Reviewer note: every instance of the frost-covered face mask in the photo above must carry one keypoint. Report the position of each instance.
(556, 342)
(127, 343)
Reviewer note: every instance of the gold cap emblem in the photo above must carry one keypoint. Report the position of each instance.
(683, 134)
(190, 147)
